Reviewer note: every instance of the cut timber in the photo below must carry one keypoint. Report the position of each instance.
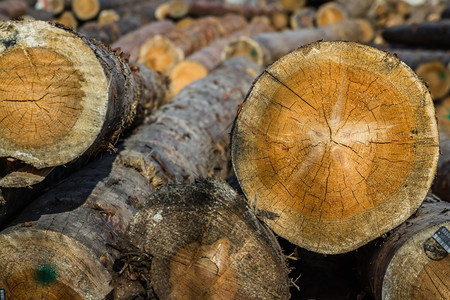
(441, 184)
(206, 243)
(203, 61)
(265, 48)
(178, 9)
(13, 9)
(292, 5)
(415, 57)
(132, 41)
(63, 96)
(303, 18)
(437, 77)
(86, 10)
(54, 6)
(68, 19)
(337, 142)
(427, 34)
(72, 232)
(339, 10)
(410, 263)
(279, 20)
(162, 53)
(107, 16)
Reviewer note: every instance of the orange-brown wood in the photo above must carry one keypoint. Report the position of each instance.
(338, 142)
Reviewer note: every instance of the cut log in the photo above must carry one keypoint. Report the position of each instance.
(279, 20)
(54, 6)
(86, 10)
(132, 41)
(441, 184)
(333, 157)
(179, 9)
(13, 9)
(292, 5)
(203, 61)
(339, 10)
(107, 16)
(64, 96)
(162, 53)
(437, 77)
(72, 232)
(265, 48)
(415, 57)
(206, 243)
(303, 18)
(427, 34)
(68, 19)
(412, 262)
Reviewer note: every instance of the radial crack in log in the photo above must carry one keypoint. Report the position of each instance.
(340, 141)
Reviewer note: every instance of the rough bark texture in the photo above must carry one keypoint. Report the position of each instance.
(204, 8)
(13, 9)
(132, 41)
(410, 264)
(203, 61)
(265, 48)
(162, 53)
(206, 243)
(427, 34)
(337, 143)
(67, 240)
(111, 32)
(64, 96)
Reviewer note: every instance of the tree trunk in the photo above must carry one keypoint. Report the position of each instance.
(335, 158)
(179, 9)
(66, 241)
(265, 48)
(427, 34)
(206, 243)
(76, 99)
(162, 53)
(86, 10)
(411, 263)
(13, 9)
(415, 57)
(132, 41)
(203, 61)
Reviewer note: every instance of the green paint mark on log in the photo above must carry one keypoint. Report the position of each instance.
(448, 114)
(442, 75)
(45, 274)
(253, 53)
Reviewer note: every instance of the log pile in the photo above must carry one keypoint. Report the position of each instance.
(120, 121)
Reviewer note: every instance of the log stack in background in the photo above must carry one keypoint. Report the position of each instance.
(105, 195)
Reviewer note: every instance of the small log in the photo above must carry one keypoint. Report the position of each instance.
(279, 20)
(411, 263)
(67, 241)
(415, 57)
(333, 158)
(68, 19)
(13, 8)
(86, 10)
(54, 6)
(292, 5)
(427, 34)
(437, 77)
(162, 53)
(111, 32)
(179, 9)
(206, 243)
(131, 42)
(303, 18)
(162, 11)
(75, 100)
(107, 16)
(203, 61)
(265, 48)
(339, 10)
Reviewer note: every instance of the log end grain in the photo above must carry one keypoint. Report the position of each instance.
(246, 47)
(338, 143)
(207, 243)
(85, 10)
(160, 54)
(184, 73)
(437, 77)
(329, 13)
(45, 264)
(47, 73)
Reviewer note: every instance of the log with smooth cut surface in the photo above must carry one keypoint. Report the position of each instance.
(338, 143)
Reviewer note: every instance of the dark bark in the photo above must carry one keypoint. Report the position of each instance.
(427, 34)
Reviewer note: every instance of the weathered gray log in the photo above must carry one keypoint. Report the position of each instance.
(427, 34)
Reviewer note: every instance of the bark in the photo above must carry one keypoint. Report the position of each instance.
(53, 115)
(415, 57)
(203, 61)
(179, 9)
(39, 14)
(200, 237)
(162, 53)
(412, 245)
(86, 10)
(13, 9)
(132, 41)
(265, 48)
(74, 230)
(427, 34)
(335, 158)
(303, 18)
